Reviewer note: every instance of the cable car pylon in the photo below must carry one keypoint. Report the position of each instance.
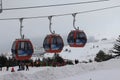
(1, 9)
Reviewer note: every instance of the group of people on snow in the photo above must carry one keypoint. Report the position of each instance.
(22, 66)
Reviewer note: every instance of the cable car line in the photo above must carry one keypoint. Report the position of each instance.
(82, 12)
(54, 5)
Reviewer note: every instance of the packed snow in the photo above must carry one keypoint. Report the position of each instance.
(107, 70)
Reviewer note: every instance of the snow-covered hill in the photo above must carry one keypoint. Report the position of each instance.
(108, 70)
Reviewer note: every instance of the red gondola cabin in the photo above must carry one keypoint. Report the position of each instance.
(22, 49)
(53, 43)
(77, 38)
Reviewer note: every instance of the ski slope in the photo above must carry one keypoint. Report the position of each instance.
(108, 70)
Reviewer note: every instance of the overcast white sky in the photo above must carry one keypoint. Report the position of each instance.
(99, 24)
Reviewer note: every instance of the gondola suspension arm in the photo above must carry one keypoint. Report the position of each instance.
(21, 26)
(74, 15)
(50, 23)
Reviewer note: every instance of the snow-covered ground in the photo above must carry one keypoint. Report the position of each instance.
(108, 70)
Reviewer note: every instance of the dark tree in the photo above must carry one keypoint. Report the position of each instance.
(116, 48)
(102, 56)
(3, 60)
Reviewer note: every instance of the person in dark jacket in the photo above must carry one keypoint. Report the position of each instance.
(0, 67)
(76, 61)
(7, 67)
(27, 67)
